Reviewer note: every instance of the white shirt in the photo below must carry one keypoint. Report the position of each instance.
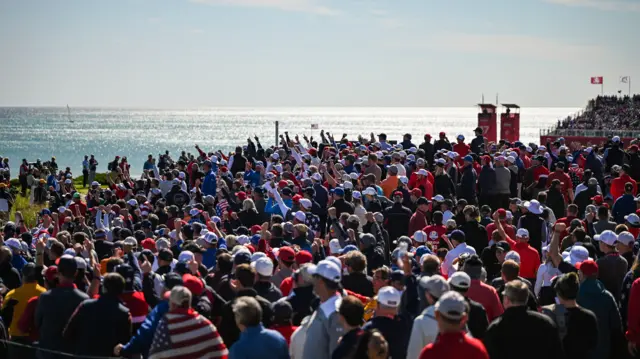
(401, 170)
(331, 305)
(453, 254)
(546, 272)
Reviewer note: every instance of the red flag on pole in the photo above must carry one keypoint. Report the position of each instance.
(597, 80)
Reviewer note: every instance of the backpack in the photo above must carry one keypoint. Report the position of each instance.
(557, 313)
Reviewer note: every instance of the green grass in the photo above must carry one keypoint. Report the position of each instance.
(30, 212)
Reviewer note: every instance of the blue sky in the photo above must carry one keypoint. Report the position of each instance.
(201, 53)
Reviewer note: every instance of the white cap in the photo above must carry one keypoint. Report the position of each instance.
(389, 296)
(632, 218)
(163, 243)
(67, 181)
(210, 237)
(130, 241)
(460, 280)
(413, 150)
(334, 246)
(512, 255)
(423, 172)
(577, 254)
(435, 285)
(353, 176)
(404, 179)
(306, 203)
(348, 185)
(438, 198)
(451, 305)
(317, 176)
(626, 238)
(329, 270)
(369, 191)
(194, 212)
(607, 237)
(356, 194)
(300, 216)
(186, 256)
(452, 155)
(542, 147)
(441, 161)
(62, 209)
(263, 266)
(181, 175)
(420, 236)
(70, 252)
(616, 139)
(275, 156)
(257, 255)
(242, 240)
(132, 202)
(529, 149)
(81, 263)
(15, 244)
(95, 183)
(522, 232)
(511, 159)
(509, 214)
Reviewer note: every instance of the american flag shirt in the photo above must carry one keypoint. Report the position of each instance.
(185, 334)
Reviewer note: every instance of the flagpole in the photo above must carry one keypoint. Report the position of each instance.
(629, 88)
(602, 88)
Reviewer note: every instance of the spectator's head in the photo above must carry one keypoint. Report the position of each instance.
(381, 278)
(473, 267)
(180, 298)
(351, 312)
(67, 268)
(437, 218)
(628, 188)
(388, 301)
(355, 262)
(282, 312)
(587, 270)
(434, 287)
(29, 273)
(471, 213)
(327, 276)
(572, 210)
(516, 294)
(224, 263)
(451, 312)
(430, 264)
(302, 277)
(603, 213)
(566, 287)
(247, 312)
(113, 284)
(245, 276)
(510, 270)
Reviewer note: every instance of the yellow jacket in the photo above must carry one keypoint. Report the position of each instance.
(370, 309)
(22, 295)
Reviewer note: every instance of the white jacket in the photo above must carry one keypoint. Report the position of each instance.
(425, 331)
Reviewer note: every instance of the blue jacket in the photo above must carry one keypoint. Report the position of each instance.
(253, 177)
(272, 206)
(623, 206)
(594, 297)
(255, 342)
(209, 258)
(209, 184)
(141, 342)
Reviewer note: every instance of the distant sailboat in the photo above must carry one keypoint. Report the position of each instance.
(69, 113)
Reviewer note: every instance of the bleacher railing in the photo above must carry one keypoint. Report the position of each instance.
(567, 132)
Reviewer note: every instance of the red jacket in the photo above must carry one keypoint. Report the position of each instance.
(454, 346)
(508, 229)
(529, 260)
(285, 330)
(487, 296)
(617, 186)
(633, 314)
(417, 222)
(27, 322)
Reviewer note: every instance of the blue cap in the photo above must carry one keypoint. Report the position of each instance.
(207, 162)
(458, 235)
(468, 158)
(422, 250)
(348, 249)
(343, 146)
(255, 239)
(45, 212)
(339, 192)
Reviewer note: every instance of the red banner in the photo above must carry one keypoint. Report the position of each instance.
(597, 80)
(576, 142)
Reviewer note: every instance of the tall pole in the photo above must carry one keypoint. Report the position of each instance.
(602, 88)
(482, 98)
(496, 99)
(629, 88)
(277, 135)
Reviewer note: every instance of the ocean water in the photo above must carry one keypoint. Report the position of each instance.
(40, 132)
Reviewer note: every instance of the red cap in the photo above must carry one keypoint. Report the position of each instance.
(588, 267)
(50, 273)
(283, 184)
(241, 196)
(148, 243)
(193, 283)
(255, 229)
(597, 199)
(397, 193)
(313, 151)
(427, 135)
(303, 257)
(224, 169)
(297, 198)
(486, 158)
(502, 212)
(442, 134)
(251, 248)
(416, 192)
(286, 254)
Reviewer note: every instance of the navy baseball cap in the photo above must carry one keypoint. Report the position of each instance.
(457, 235)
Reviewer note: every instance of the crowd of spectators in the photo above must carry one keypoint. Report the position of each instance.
(606, 113)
